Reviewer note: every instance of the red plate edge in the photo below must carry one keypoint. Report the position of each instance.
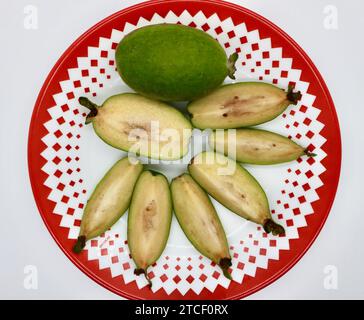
(298, 247)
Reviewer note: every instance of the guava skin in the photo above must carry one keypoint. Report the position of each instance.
(171, 62)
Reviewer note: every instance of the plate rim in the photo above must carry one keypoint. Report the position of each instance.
(325, 92)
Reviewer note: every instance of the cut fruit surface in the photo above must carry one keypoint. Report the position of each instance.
(234, 187)
(199, 220)
(255, 146)
(241, 104)
(140, 125)
(109, 201)
(149, 219)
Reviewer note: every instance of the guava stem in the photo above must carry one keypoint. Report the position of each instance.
(270, 226)
(83, 101)
(80, 244)
(154, 173)
(224, 264)
(231, 65)
(292, 96)
(140, 271)
(309, 154)
(192, 161)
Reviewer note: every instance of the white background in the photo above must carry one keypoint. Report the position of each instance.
(27, 56)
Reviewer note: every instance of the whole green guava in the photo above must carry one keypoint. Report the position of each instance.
(172, 62)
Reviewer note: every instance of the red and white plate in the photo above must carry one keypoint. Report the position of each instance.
(66, 158)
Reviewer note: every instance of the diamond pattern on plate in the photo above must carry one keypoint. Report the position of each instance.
(290, 201)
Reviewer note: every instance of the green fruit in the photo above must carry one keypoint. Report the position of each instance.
(134, 123)
(241, 105)
(172, 62)
(199, 221)
(234, 187)
(109, 201)
(256, 146)
(149, 220)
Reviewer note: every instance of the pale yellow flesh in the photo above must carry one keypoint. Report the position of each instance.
(238, 105)
(231, 185)
(198, 218)
(146, 127)
(149, 219)
(110, 199)
(255, 146)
